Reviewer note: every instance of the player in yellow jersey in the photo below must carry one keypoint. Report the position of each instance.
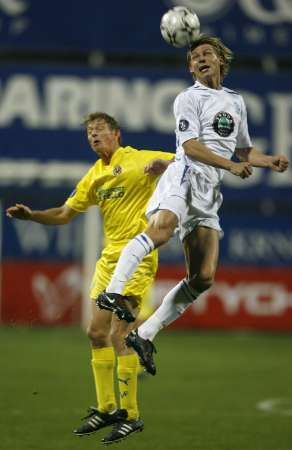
(120, 183)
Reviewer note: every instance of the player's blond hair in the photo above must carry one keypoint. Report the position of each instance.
(224, 53)
(111, 121)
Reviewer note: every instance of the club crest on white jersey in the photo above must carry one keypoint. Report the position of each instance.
(223, 124)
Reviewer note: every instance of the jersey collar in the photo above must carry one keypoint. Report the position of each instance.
(202, 86)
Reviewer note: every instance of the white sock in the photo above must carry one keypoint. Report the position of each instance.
(173, 306)
(130, 257)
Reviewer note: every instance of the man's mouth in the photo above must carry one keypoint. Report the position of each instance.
(204, 68)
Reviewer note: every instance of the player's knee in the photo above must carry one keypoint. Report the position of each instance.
(98, 338)
(161, 227)
(202, 281)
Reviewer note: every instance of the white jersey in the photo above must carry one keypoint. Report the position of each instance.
(217, 118)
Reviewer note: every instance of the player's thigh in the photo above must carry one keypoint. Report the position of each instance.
(161, 226)
(201, 249)
(103, 271)
(163, 218)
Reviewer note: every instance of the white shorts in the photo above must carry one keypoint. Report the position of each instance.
(190, 196)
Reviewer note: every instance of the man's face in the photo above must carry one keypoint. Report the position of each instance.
(204, 63)
(101, 137)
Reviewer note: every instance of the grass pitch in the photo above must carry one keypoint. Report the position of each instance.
(204, 396)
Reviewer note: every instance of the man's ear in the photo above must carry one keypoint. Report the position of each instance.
(118, 135)
(190, 69)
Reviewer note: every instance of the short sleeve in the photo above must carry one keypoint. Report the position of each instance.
(243, 138)
(148, 155)
(186, 113)
(81, 198)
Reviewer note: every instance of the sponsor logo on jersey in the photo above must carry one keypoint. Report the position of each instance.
(223, 124)
(183, 125)
(117, 170)
(112, 193)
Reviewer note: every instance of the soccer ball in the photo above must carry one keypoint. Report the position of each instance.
(179, 26)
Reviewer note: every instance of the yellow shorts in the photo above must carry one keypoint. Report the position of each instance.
(140, 283)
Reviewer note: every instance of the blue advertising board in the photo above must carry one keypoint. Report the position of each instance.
(249, 26)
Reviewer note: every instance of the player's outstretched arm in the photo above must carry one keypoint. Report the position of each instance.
(200, 152)
(157, 166)
(52, 216)
(278, 163)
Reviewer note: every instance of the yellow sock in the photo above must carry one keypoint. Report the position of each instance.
(103, 362)
(127, 377)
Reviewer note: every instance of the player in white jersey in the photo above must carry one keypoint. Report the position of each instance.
(211, 125)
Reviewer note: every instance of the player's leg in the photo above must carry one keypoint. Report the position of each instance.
(159, 230)
(128, 365)
(201, 252)
(201, 249)
(103, 365)
(127, 372)
(103, 357)
(201, 255)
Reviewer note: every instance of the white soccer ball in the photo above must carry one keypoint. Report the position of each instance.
(179, 26)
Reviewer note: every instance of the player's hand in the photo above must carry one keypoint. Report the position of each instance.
(156, 166)
(279, 163)
(242, 169)
(19, 211)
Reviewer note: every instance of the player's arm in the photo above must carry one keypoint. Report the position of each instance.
(52, 216)
(278, 163)
(157, 166)
(200, 152)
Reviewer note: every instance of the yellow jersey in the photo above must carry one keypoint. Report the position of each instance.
(121, 189)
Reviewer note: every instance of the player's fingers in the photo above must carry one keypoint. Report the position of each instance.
(284, 165)
(246, 173)
(278, 168)
(12, 212)
(148, 168)
(248, 169)
(282, 168)
(11, 209)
